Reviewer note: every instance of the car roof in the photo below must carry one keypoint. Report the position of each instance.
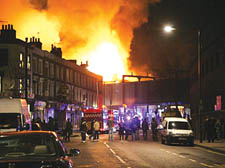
(28, 132)
(175, 119)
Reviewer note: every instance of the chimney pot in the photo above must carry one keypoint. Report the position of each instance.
(26, 39)
(11, 27)
(8, 26)
(3, 27)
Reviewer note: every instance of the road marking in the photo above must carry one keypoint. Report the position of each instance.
(112, 151)
(192, 160)
(182, 156)
(121, 160)
(168, 151)
(203, 164)
(217, 165)
(174, 153)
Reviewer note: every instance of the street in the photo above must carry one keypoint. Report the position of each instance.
(141, 154)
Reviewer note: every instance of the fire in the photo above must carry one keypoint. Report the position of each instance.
(107, 61)
(99, 32)
(38, 25)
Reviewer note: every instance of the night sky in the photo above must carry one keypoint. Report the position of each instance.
(153, 51)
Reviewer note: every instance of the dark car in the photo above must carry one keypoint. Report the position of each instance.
(36, 149)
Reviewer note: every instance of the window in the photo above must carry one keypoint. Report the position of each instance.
(46, 68)
(51, 70)
(57, 71)
(4, 57)
(34, 65)
(40, 66)
(28, 62)
(67, 74)
(20, 85)
(21, 64)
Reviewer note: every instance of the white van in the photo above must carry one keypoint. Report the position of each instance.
(176, 130)
(14, 115)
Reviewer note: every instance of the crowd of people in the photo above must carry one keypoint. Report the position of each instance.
(126, 129)
(214, 129)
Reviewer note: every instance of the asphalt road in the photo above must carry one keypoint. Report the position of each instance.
(141, 154)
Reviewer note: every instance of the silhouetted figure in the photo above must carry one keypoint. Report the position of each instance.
(154, 129)
(145, 129)
(121, 131)
(68, 130)
(83, 129)
(92, 130)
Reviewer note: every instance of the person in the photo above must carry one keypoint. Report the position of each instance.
(92, 130)
(137, 129)
(83, 129)
(145, 129)
(218, 128)
(154, 129)
(96, 130)
(50, 124)
(210, 130)
(134, 128)
(127, 127)
(68, 130)
(121, 131)
(110, 126)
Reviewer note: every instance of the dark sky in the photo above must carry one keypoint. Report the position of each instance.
(152, 50)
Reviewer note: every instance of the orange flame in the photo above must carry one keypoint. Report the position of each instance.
(95, 31)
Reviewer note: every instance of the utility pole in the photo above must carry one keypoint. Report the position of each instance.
(26, 73)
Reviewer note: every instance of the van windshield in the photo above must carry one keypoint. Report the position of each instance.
(179, 125)
(9, 120)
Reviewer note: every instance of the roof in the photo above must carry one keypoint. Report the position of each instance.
(28, 132)
(175, 119)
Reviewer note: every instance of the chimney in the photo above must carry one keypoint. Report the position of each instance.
(8, 33)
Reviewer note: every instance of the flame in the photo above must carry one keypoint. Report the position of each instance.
(99, 32)
(107, 61)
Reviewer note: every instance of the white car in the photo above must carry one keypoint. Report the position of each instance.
(176, 130)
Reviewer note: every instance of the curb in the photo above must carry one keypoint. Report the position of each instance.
(210, 148)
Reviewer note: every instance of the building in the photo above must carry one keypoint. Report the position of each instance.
(147, 98)
(54, 87)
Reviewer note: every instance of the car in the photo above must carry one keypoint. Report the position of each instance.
(36, 149)
(176, 130)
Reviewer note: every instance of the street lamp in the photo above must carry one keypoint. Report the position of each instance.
(169, 29)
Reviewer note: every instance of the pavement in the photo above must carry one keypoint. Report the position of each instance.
(216, 146)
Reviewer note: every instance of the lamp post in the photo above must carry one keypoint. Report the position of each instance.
(200, 85)
(169, 29)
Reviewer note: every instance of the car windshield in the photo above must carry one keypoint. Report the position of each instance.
(9, 120)
(26, 145)
(179, 125)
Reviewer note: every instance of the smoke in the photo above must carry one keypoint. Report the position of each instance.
(79, 23)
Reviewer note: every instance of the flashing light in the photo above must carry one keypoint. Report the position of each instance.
(128, 118)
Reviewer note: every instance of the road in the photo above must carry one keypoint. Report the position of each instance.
(141, 154)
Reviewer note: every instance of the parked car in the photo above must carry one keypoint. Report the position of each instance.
(36, 149)
(176, 130)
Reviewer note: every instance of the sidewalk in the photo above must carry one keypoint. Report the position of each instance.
(216, 146)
